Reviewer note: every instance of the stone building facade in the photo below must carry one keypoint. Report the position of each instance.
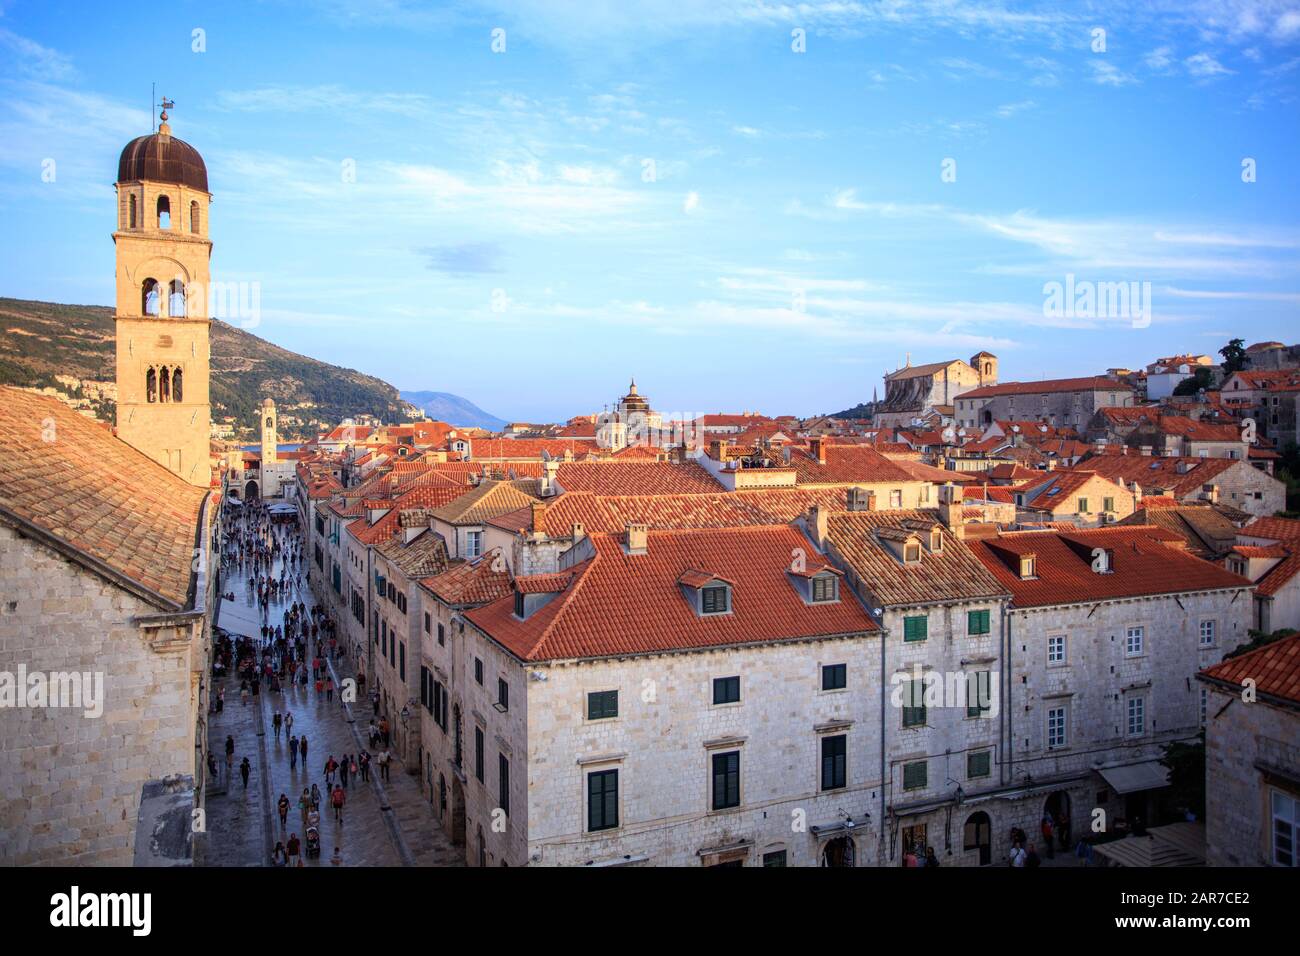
(1252, 758)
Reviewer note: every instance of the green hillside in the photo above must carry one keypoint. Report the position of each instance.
(42, 340)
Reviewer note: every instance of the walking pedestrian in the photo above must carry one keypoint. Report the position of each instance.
(293, 753)
(245, 768)
(315, 797)
(288, 715)
(302, 748)
(304, 804)
(276, 722)
(283, 807)
(292, 849)
(338, 800)
(384, 757)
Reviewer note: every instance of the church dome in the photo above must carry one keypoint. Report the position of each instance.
(634, 402)
(162, 158)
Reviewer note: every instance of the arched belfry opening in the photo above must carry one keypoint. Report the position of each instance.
(176, 298)
(150, 298)
(164, 212)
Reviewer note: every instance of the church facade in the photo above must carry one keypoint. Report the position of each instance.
(913, 390)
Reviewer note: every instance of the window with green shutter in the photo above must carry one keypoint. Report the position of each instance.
(979, 764)
(602, 800)
(915, 775)
(916, 628)
(602, 704)
(726, 780)
(914, 704)
(834, 762)
(977, 622)
(979, 693)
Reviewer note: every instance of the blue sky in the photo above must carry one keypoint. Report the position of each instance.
(669, 190)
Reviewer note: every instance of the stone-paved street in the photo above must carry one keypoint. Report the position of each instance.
(383, 824)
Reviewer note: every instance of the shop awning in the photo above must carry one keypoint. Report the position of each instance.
(1146, 775)
(1178, 844)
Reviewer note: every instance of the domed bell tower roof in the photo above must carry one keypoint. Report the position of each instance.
(162, 158)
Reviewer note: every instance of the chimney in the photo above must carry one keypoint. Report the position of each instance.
(1137, 495)
(578, 531)
(818, 525)
(718, 449)
(1213, 494)
(950, 508)
(539, 511)
(550, 471)
(637, 538)
(818, 448)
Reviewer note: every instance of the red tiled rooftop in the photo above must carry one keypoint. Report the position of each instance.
(1275, 669)
(624, 604)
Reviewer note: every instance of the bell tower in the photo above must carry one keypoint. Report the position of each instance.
(163, 351)
(269, 437)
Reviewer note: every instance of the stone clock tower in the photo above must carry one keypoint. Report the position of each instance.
(270, 450)
(163, 253)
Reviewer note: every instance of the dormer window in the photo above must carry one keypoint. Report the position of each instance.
(1028, 567)
(936, 541)
(912, 552)
(715, 599)
(824, 588)
(519, 605)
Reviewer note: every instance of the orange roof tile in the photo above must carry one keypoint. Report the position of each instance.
(76, 481)
(621, 604)
(1275, 669)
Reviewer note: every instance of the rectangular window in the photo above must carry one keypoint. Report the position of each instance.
(473, 544)
(977, 622)
(896, 498)
(503, 783)
(916, 628)
(726, 690)
(979, 693)
(442, 636)
(979, 764)
(427, 622)
(1083, 506)
(602, 800)
(478, 753)
(478, 672)
(914, 703)
(401, 661)
(823, 588)
(834, 761)
(915, 775)
(835, 676)
(1134, 640)
(1207, 633)
(775, 858)
(726, 780)
(714, 601)
(1137, 719)
(602, 704)
(1107, 504)
(1286, 824)
(1205, 700)
(503, 694)
(1056, 649)
(1056, 735)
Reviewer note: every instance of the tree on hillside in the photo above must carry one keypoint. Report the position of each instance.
(1234, 356)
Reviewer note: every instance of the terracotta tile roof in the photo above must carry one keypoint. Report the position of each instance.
(636, 477)
(471, 583)
(503, 449)
(1194, 430)
(1275, 669)
(1284, 531)
(544, 583)
(1144, 565)
(98, 494)
(948, 575)
(622, 604)
(919, 471)
(487, 501)
(424, 555)
(1261, 551)
(1087, 384)
(1152, 473)
(845, 464)
(1208, 533)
